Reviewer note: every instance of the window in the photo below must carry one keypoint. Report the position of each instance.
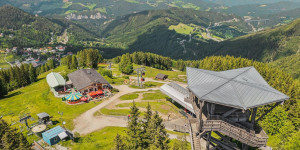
(55, 139)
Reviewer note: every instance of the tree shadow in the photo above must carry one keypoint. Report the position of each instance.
(12, 94)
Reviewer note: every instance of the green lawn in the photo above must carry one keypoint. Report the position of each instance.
(182, 28)
(172, 75)
(114, 112)
(164, 107)
(37, 98)
(148, 84)
(129, 96)
(150, 73)
(103, 139)
(153, 96)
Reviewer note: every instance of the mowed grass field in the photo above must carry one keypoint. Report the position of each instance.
(104, 139)
(150, 73)
(37, 98)
(182, 28)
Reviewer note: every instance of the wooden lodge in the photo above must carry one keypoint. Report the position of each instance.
(87, 80)
(225, 103)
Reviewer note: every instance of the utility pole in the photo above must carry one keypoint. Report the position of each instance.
(139, 72)
(61, 114)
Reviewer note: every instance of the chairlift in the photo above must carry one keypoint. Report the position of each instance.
(142, 79)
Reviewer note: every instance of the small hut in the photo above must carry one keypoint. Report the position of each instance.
(43, 118)
(161, 76)
(56, 82)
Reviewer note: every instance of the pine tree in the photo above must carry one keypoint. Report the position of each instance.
(32, 74)
(3, 88)
(134, 137)
(161, 138)
(11, 138)
(147, 131)
(42, 70)
(74, 63)
(119, 145)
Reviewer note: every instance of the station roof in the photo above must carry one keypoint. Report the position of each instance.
(43, 115)
(53, 132)
(241, 88)
(55, 79)
(178, 94)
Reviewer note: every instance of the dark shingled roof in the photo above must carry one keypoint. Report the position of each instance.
(161, 76)
(85, 77)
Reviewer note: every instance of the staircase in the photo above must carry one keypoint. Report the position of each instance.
(238, 133)
(195, 140)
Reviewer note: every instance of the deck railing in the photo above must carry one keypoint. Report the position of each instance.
(235, 131)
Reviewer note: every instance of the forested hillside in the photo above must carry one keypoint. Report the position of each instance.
(266, 46)
(290, 64)
(25, 30)
(173, 32)
(105, 7)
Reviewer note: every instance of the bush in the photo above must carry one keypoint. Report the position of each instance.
(114, 90)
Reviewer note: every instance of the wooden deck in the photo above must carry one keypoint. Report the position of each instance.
(240, 134)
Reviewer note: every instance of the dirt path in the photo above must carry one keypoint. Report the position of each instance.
(87, 122)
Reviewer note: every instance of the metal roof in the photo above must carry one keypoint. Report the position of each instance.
(43, 115)
(53, 132)
(241, 88)
(85, 77)
(55, 79)
(178, 94)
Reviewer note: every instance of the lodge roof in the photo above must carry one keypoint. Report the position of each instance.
(241, 88)
(85, 77)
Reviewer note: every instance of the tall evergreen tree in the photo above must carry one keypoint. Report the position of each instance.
(161, 138)
(134, 133)
(3, 88)
(147, 131)
(74, 63)
(32, 74)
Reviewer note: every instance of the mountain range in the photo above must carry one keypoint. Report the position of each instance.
(175, 32)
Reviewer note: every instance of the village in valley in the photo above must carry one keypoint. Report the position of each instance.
(34, 56)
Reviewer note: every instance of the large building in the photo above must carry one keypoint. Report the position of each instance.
(225, 103)
(87, 80)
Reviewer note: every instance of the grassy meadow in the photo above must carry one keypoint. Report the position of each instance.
(104, 139)
(37, 98)
(129, 96)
